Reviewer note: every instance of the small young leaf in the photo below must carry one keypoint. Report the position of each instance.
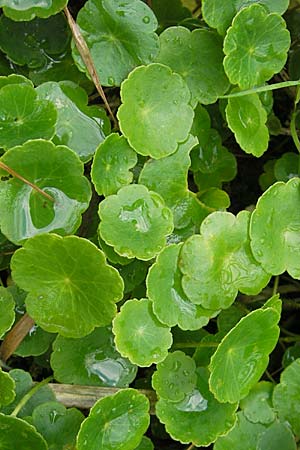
(255, 46)
(111, 255)
(70, 295)
(7, 313)
(155, 115)
(145, 443)
(267, 178)
(170, 12)
(139, 336)
(257, 406)
(287, 167)
(12, 428)
(7, 389)
(36, 342)
(117, 422)
(135, 222)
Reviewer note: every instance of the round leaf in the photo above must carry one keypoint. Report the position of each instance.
(12, 428)
(155, 115)
(117, 422)
(145, 444)
(7, 389)
(243, 355)
(274, 229)
(135, 222)
(111, 165)
(218, 263)
(7, 312)
(255, 46)
(257, 406)
(70, 295)
(139, 336)
(121, 34)
(29, 9)
(36, 342)
(277, 437)
(286, 167)
(57, 170)
(197, 56)
(92, 360)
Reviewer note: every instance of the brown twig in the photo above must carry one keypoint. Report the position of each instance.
(34, 186)
(15, 336)
(87, 59)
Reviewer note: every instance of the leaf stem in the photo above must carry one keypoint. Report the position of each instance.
(190, 447)
(28, 396)
(267, 87)
(17, 175)
(293, 127)
(275, 286)
(289, 339)
(195, 344)
(15, 336)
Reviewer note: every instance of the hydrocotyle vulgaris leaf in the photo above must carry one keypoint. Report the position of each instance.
(111, 165)
(24, 116)
(276, 437)
(198, 57)
(243, 355)
(57, 170)
(145, 443)
(35, 343)
(256, 46)
(26, 10)
(286, 396)
(117, 422)
(257, 406)
(7, 310)
(286, 167)
(71, 288)
(92, 360)
(218, 263)
(76, 126)
(120, 36)
(7, 389)
(12, 428)
(247, 119)
(139, 336)
(275, 228)
(203, 426)
(155, 114)
(170, 304)
(135, 222)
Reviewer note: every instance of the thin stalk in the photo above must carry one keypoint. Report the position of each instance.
(196, 344)
(267, 87)
(28, 396)
(190, 447)
(275, 286)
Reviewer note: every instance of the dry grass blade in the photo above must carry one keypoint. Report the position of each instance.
(15, 336)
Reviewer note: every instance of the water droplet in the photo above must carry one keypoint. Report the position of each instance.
(53, 416)
(111, 81)
(175, 102)
(40, 297)
(146, 19)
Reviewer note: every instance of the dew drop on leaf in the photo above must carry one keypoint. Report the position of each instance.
(146, 19)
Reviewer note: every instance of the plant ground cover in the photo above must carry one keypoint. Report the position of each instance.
(150, 225)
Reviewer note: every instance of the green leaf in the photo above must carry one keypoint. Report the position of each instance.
(215, 198)
(255, 46)
(16, 433)
(19, 10)
(247, 119)
(7, 313)
(243, 355)
(145, 443)
(135, 222)
(218, 263)
(201, 427)
(277, 437)
(175, 377)
(228, 318)
(78, 126)
(267, 178)
(219, 14)
(197, 56)
(117, 422)
(111, 165)
(71, 295)
(133, 274)
(152, 94)
(170, 12)
(34, 43)
(92, 360)
(139, 336)
(112, 256)
(170, 304)
(14, 79)
(274, 229)
(24, 116)
(120, 33)
(287, 167)
(36, 342)
(257, 406)
(57, 170)
(7, 389)
(286, 396)
(58, 425)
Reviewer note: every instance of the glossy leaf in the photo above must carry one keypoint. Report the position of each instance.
(287, 167)
(120, 33)
(286, 396)
(215, 198)
(139, 336)
(7, 313)
(247, 119)
(218, 263)
(175, 377)
(92, 360)
(169, 302)
(274, 229)
(57, 170)
(117, 422)
(277, 437)
(112, 256)
(14, 79)
(12, 428)
(197, 56)
(243, 355)
(58, 425)
(7, 389)
(201, 427)
(36, 342)
(111, 165)
(24, 116)
(70, 295)
(257, 406)
(145, 444)
(77, 127)
(255, 46)
(135, 222)
(149, 95)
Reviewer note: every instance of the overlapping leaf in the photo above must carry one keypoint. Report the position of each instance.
(11, 428)
(29, 9)
(7, 313)
(7, 389)
(257, 406)
(276, 437)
